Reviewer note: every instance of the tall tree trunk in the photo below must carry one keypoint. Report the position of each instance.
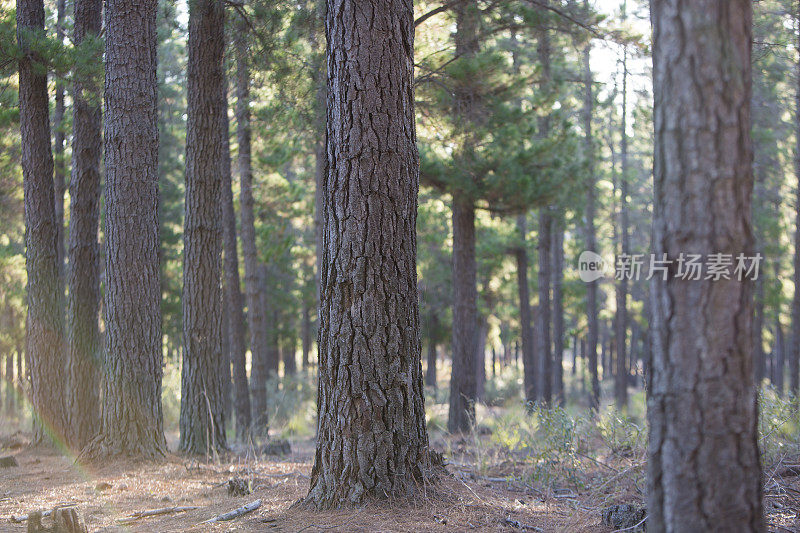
(463, 388)
(234, 298)
(202, 420)
(526, 328)
(44, 346)
(704, 471)
(256, 315)
(544, 354)
(372, 441)
(83, 299)
(131, 415)
(591, 236)
(558, 312)
(59, 184)
(621, 333)
(793, 359)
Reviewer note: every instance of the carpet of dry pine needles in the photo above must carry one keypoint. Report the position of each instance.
(462, 500)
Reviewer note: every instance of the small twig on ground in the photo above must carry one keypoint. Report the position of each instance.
(236, 513)
(516, 524)
(156, 512)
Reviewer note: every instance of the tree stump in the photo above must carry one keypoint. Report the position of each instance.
(64, 520)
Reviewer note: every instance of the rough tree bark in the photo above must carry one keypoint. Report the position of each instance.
(704, 471)
(131, 416)
(202, 419)
(591, 235)
(256, 317)
(526, 327)
(372, 440)
(45, 321)
(83, 299)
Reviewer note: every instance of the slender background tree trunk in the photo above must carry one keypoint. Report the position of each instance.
(44, 342)
(83, 303)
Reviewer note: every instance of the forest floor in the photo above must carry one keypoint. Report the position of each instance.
(550, 471)
(107, 493)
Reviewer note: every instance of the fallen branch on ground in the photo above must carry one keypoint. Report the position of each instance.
(236, 513)
(156, 512)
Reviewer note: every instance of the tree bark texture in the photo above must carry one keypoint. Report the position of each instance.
(44, 345)
(202, 420)
(704, 471)
(131, 416)
(372, 440)
(83, 300)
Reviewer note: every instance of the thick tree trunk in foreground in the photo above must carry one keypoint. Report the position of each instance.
(202, 421)
(372, 440)
(463, 388)
(526, 327)
(591, 236)
(256, 318)
(131, 419)
(83, 299)
(234, 301)
(704, 471)
(44, 346)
